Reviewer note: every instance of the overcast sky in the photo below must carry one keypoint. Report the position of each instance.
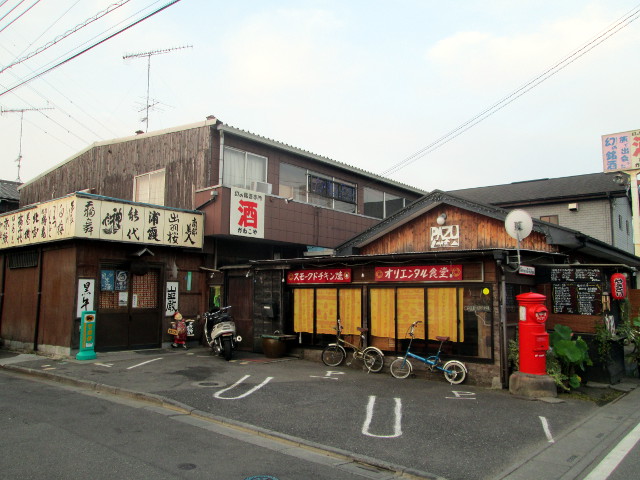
(365, 82)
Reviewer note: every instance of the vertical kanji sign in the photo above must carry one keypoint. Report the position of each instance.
(86, 289)
(246, 213)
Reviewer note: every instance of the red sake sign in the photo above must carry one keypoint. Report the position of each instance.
(333, 275)
(618, 286)
(428, 273)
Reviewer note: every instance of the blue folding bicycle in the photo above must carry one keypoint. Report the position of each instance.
(454, 371)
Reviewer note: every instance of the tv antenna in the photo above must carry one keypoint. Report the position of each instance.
(518, 225)
(149, 55)
(21, 112)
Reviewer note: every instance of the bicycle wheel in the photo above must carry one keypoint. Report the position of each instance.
(400, 367)
(333, 355)
(373, 360)
(455, 372)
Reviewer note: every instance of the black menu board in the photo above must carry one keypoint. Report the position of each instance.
(579, 298)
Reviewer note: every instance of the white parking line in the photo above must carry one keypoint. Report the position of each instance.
(545, 427)
(397, 427)
(144, 363)
(615, 456)
(249, 392)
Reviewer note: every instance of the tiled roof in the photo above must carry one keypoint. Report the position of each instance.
(545, 189)
(9, 190)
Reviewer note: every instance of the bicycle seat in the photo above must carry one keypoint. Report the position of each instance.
(442, 339)
(361, 329)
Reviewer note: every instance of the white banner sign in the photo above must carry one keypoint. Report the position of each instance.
(93, 217)
(246, 216)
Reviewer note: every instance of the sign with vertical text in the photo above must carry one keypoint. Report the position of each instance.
(246, 216)
(621, 151)
(171, 298)
(86, 290)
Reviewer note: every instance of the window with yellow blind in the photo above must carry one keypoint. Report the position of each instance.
(326, 310)
(325, 304)
(350, 310)
(443, 312)
(383, 312)
(303, 307)
(410, 309)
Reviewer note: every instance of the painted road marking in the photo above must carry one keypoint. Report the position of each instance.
(462, 395)
(328, 375)
(397, 426)
(144, 363)
(547, 432)
(249, 392)
(615, 456)
(108, 365)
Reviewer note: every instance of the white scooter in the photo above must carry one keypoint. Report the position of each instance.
(220, 332)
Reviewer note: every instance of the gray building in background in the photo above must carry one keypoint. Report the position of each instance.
(9, 196)
(593, 204)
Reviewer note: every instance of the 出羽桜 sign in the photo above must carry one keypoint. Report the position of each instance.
(333, 275)
(427, 273)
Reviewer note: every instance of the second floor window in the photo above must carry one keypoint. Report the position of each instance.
(149, 188)
(241, 169)
(380, 204)
(311, 187)
(550, 219)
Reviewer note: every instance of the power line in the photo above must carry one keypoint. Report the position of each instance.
(89, 48)
(18, 17)
(618, 25)
(68, 33)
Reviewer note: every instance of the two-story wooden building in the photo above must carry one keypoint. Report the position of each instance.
(258, 199)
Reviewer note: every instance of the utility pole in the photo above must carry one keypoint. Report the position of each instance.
(149, 55)
(21, 112)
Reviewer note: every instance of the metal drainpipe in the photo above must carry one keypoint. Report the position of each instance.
(503, 319)
(2, 286)
(38, 302)
(221, 158)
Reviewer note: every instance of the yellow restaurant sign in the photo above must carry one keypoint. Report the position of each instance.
(82, 215)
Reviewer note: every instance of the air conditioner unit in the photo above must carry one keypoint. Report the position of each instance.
(262, 187)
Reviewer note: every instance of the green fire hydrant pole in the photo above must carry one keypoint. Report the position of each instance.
(87, 336)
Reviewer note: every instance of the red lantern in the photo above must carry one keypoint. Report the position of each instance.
(618, 286)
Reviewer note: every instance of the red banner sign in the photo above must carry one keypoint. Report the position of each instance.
(333, 275)
(429, 273)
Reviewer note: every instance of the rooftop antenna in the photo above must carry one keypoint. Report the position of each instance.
(21, 112)
(149, 55)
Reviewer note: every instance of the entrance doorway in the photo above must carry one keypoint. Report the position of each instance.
(129, 314)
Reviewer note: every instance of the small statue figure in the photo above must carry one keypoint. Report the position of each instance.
(179, 340)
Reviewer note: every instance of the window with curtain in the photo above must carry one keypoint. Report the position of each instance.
(350, 310)
(303, 304)
(326, 310)
(149, 187)
(383, 312)
(443, 310)
(241, 168)
(410, 309)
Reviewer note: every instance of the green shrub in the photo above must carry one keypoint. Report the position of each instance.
(570, 354)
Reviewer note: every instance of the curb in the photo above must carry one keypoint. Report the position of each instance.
(181, 408)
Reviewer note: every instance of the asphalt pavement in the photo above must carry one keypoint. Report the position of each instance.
(172, 378)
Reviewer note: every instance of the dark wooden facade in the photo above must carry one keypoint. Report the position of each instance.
(38, 308)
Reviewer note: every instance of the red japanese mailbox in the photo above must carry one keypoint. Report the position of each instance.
(534, 339)
(618, 286)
